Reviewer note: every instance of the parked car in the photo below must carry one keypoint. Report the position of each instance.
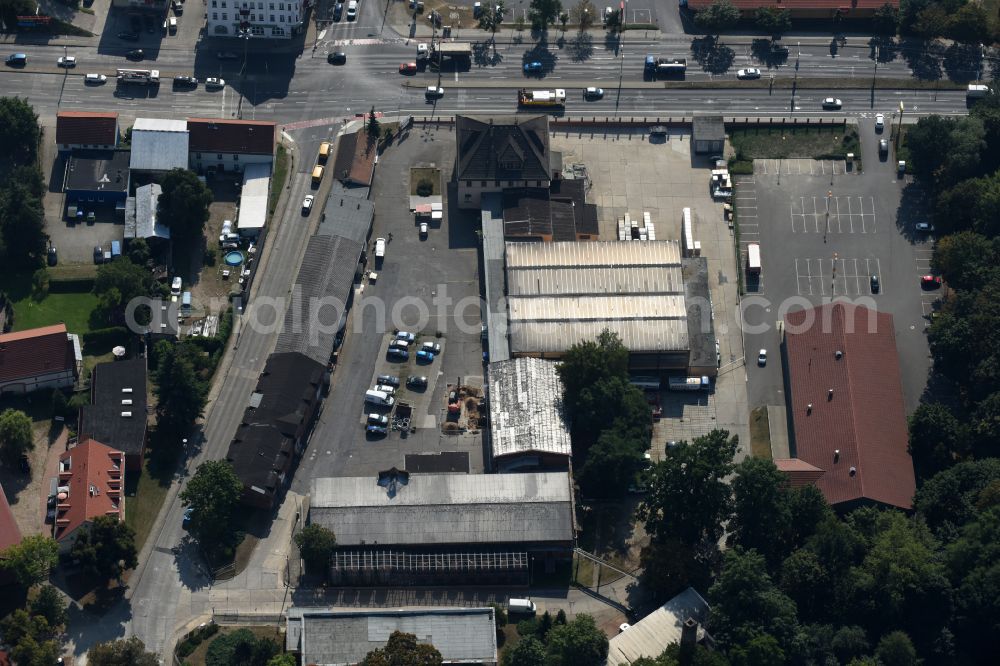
(178, 7)
(832, 103)
(52, 256)
(338, 11)
(408, 68)
(213, 83)
(406, 335)
(388, 380)
(930, 281)
(925, 227)
(378, 419)
(432, 347)
(424, 356)
(185, 82)
(416, 382)
(186, 521)
(385, 388)
(378, 431)
(875, 284)
(128, 36)
(762, 358)
(337, 58)
(95, 79)
(176, 286)
(135, 54)
(883, 148)
(397, 354)
(879, 122)
(593, 93)
(533, 67)
(422, 51)
(307, 204)
(67, 61)
(399, 344)
(352, 10)
(98, 254)
(423, 229)
(748, 74)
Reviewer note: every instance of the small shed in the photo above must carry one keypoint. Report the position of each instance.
(708, 135)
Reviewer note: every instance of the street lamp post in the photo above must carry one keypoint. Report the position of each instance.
(899, 128)
(244, 34)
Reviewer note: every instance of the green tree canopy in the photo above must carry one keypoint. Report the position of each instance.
(213, 494)
(31, 560)
(529, 651)
(16, 438)
(402, 649)
(973, 562)
(886, 19)
(106, 547)
(180, 393)
(22, 225)
(612, 464)
(316, 544)
(20, 133)
(970, 24)
(285, 659)
(49, 603)
(543, 13)
(896, 649)
(935, 438)
(130, 280)
(122, 652)
(718, 16)
(773, 20)
(587, 363)
(941, 169)
(240, 648)
(584, 14)
(491, 19)
(579, 642)
(949, 500)
(184, 204)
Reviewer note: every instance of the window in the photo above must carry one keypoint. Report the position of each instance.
(510, 183)
(218, 156)
(260, 5)
(272, 16)
(271, 8)
(223, 4)
(496, 183)
(215, 4)
(482, 183)
(538, 183)
(225, 16)
(258, 30)
(468, 183)
(281, 6)
(281, 19)
(236, 158)
(198, 155)
(215, 16)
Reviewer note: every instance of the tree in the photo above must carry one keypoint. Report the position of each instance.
(931, 22)
(762, 511)
(240, 648)
(614, 22)
(935, 438)
(773, 21)
(402, 649)
(184, 204)
(529, 651)
(949, 500)
(180, 394)
(31, 560)
(584, 14)
(16, 438)
(577, 643)
(886, 19)
(60, 405)
(106, 547)
(31, 637)
(940, 169)
(49, 603)
(22, 225)
(973, 562)
(31, 651)
(138, 251)
(20, 133)
(543, 13)
(374, 131)
(213, 494)
(128, 279)
(669, 567)
(965, 259)
(746, 603)
(718, 16)
(611, 465)
(491, 20)
(761, 650)
(970, 24)
(688, 496)
(316, 544)
(285, 659)
(896, 649)
(122, 652)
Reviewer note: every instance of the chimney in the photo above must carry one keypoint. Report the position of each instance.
(689, 633)
(809, 408)
(836, 455)
(854, 470)
(838, 354)
(829, 395)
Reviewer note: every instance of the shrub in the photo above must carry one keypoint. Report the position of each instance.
(425, 188)
(106, 337)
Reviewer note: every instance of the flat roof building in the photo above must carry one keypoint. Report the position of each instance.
(159, 145)
(253, 199)
(327, 637)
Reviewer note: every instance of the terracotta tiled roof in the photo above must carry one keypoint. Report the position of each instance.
(86, 127)
(845, 5)
(799, 472)
(355, 160)
(215, 135)
(9, 532)
(35, 352)
(864, 418)
(95, 475)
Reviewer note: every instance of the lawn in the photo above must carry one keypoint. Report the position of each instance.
(74, 309)
(197, 658)
(282, 163)
(143, 500)
(760, 433)
(418, 174)
(815, 142)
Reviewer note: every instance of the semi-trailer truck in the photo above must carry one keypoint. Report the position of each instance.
(662, 67)
(145, 77)
(555, 97)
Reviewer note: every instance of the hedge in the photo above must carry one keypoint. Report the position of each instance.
(104, 337)
(70, 285)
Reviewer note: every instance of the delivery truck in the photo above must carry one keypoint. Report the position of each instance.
(555, 97)
(657, 67)
(702, 383)
(142, 77)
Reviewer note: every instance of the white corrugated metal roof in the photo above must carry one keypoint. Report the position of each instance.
(526, 408)
(657, 335)
(253, 197)
(596, 308)
(588, 281)
(651, 635)
(160, 125)
(159, 145)
(593, 254)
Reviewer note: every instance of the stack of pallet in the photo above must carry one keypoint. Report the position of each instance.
(634, 229)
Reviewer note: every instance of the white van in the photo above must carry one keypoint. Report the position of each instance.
(524, 606)
(976, 91)
(379, 398)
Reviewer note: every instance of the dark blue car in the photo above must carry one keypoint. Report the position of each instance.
(532, 67)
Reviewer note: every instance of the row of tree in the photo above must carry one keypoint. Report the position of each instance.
(798, 584)
(22, 227)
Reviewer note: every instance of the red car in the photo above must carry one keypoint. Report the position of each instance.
(930, 281)
(408, 68)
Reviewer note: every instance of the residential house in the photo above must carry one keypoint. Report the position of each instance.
(496, 154)
(86, 129)
(39, 358)
(217, 144)
(91, 484)
(117, 412)
(354, 163)
(268, 20)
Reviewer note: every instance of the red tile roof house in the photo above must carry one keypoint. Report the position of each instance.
(39, 358)
(86, 129)
(847, 407)
(229, 145)
(805, 9)
(91, 484)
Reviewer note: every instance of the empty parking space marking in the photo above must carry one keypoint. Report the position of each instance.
(833, 215)
(846, 276)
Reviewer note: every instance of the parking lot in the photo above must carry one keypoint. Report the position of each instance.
(426, 286)
(828, 232)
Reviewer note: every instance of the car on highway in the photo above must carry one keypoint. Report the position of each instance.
(930, 281)
(307, 204)
(67, 61)
(832, 103)
(396, 354)
(213, 83)
(533, 67)
(879, 122)
(135, 54)
(762, 358)
(227, 55)
(875, 284)
(432, 347)
(95, 79)
(407, 68)
(377, 431)
(128, 36)
(925, 227)
(434, 92)
(423, 230)
(883, 148)
(352, 10)
(416, 382)
(748, 74)
(593, 93)
(406, 336)
(424, 356)
(388, 380)
(378, 419)
(422, 51)
(337, 58)
(185, 82)
(16, 60)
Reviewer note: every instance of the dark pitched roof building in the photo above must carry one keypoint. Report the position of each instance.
(559, 213)
(117, 413)
(275, 425)
(495, 154)
(847, 404)
(86, 129)
(39, 358)
(217, 135)
(354, 163)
